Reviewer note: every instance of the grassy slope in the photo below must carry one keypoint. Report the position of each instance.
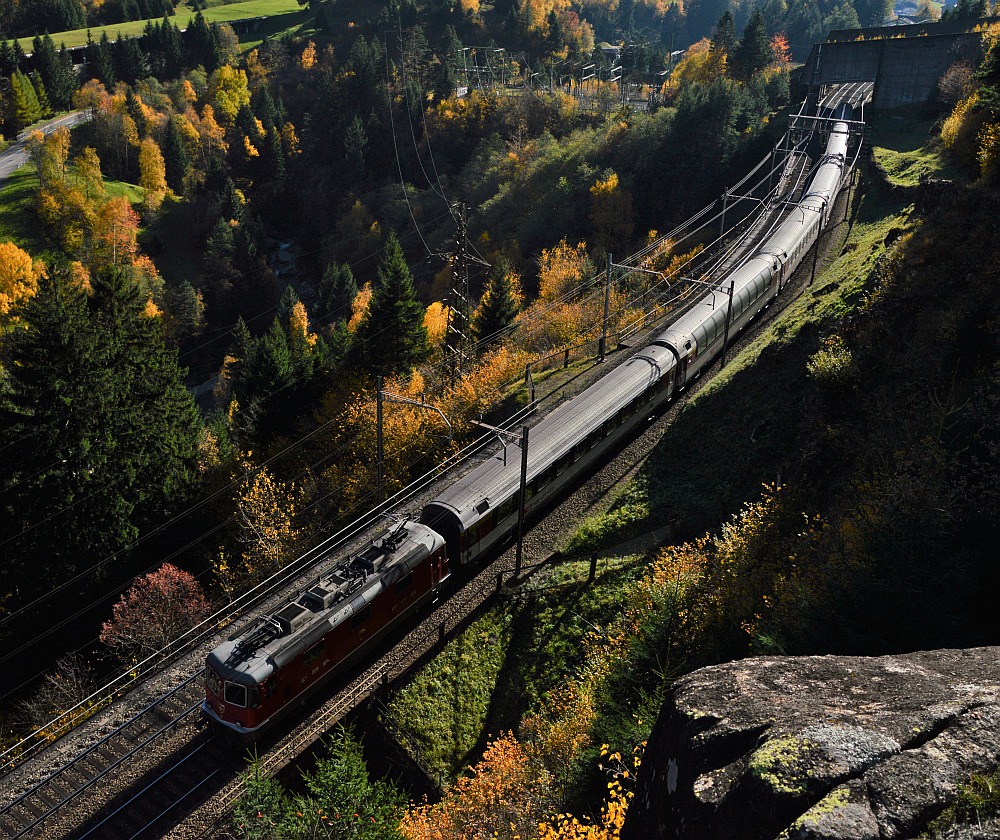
(17, 215)
(908, 148)
(18, 223)
(499, 668)
(282, 10)
(539, 644)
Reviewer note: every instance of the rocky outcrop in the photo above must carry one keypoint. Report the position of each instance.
(831, 747)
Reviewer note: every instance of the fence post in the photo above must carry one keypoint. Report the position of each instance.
(593, 568)
(566, 356)
(441, 633)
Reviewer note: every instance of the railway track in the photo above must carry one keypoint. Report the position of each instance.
(40, 811)
(137, 780)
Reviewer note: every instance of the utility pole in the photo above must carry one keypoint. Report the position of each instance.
(603, 344)
(458, 309)
(380, 455)
(519, 554)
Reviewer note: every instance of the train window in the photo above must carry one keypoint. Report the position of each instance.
(361, 616)
(405, 584)
(236, 694)
(253, 698)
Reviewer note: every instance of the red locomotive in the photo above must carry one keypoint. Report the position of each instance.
(253, 678)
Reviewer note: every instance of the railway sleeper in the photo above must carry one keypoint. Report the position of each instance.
(50, 798)
(31, 811)
(89, 769)
(109, 754)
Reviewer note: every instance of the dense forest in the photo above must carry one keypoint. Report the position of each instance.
(204, 279)
(270, 250)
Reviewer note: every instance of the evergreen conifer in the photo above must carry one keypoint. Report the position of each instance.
(391, 337)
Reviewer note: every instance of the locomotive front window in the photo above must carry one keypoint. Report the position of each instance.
(236, 694)
(253, 698)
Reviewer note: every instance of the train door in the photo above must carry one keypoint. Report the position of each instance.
(780, 267)
(689, 351)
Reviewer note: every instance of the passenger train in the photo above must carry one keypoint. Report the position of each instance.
(256, 676)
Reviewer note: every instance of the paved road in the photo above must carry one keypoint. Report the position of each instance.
(15, 157)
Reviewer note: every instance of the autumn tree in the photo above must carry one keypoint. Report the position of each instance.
(562, 269)
(116, 228)
(265, 510)
(506, 794)
(391, 337)
(88, 172)
(228, 90)
(18, 278)
(152, 175)
(155, 610)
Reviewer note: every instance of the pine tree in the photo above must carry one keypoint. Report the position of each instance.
(26, 107)
(724, 36)
(45, 416)
(391, 337)
(499, 303)
(65, 83)
(8, 61)
(355, 146)
(188, 310)
(337, 290)
(44, 106)
(104, 58)
(129, 62)
(753, 53)
(52, 69)
(175, 157)
(105, 434)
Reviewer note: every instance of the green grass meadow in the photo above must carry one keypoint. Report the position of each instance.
(282, 15)
(18, 223)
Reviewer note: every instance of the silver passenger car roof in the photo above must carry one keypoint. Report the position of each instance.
(476, 494)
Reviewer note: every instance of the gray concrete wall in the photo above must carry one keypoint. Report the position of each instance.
(904, 69)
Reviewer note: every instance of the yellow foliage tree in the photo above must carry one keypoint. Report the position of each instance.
(152, 175)
(989, 152)
(18, 278)
(561, 269)
(308, 58)
(506, 795)
(228, 89)
(700, 64)
(116, 228)
(960, 131)
(213, 135)
(265, 511)
(436, 323)
(359, 307)
(88, 172)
